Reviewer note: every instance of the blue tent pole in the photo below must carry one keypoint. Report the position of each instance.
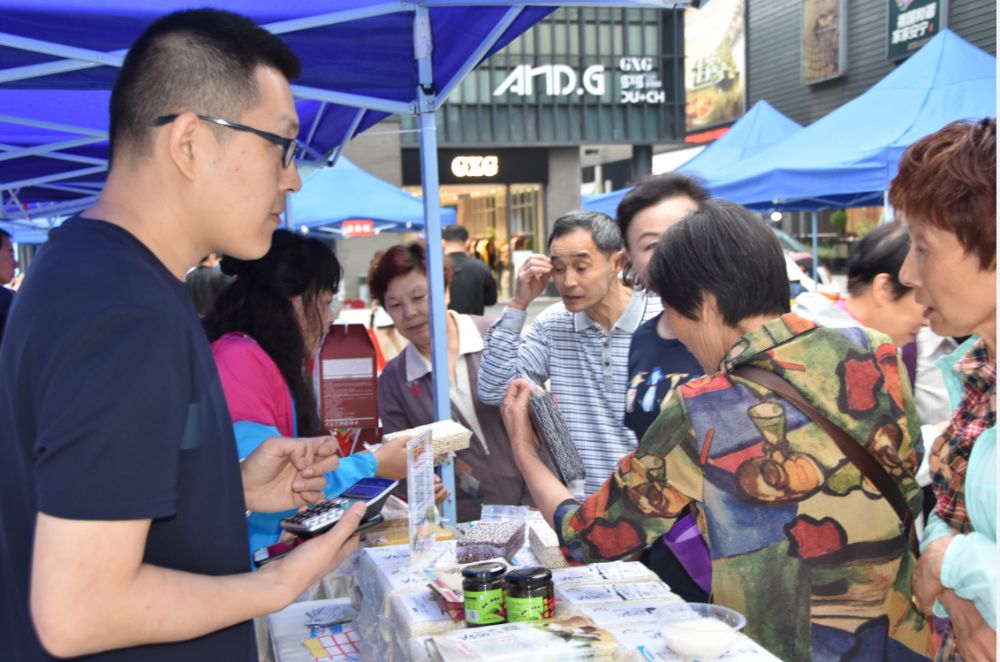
(423, 46)
(815, 245)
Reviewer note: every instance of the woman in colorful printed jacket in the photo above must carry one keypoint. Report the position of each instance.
(801, 542)
(946, 191)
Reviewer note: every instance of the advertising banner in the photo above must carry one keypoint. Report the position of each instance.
(912, 23)
(714, 64)
(824, 40)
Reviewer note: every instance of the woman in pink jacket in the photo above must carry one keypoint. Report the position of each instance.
(263, 328)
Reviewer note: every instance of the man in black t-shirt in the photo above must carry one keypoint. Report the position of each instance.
(122, 499)
(472, 286)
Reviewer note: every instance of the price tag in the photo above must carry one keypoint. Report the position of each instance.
(420, 498)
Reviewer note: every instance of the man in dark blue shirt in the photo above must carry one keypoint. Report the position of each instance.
(658, 362)
(122, 499)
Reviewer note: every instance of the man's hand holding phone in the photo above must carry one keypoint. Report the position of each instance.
(317, 557)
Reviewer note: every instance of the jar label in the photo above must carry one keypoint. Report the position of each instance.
(484, 607)
(535, 608)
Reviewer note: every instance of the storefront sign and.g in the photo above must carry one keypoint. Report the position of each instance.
(638, 81)
(912, 23)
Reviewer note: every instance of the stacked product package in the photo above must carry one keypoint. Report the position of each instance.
(396, 603)
(604, 611)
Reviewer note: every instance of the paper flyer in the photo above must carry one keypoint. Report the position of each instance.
(420, 498)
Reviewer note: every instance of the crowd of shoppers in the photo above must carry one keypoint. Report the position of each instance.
(758, 456)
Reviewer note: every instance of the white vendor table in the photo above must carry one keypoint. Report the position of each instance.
(397, 613)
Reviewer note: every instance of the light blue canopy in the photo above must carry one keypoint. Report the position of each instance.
(849, 157)
(760, 128)
(330, 196)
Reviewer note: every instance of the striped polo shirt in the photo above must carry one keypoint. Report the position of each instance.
(587, 370)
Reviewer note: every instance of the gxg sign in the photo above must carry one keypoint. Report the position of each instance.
(638, 82)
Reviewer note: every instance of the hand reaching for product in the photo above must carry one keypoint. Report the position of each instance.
(391, 459)
(440, 492)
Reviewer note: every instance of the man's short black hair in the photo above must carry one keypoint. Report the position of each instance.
(725, 250)
(5, 235)
(456, 233)
(600, 226)
(654, 190)
(881, 251)
(199, 60)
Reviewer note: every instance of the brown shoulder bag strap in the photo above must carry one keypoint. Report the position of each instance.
(857, 454)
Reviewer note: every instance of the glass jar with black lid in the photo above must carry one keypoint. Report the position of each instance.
(529, 594)
(482, 588)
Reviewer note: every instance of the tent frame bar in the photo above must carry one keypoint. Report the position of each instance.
(498, 30)
(61, 156)
(18, 152)
(57, 177)
(427, 119)
(351, 130)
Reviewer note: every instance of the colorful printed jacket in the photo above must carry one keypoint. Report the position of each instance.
(806, 549)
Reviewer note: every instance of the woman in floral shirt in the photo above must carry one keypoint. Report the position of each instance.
(801, 543)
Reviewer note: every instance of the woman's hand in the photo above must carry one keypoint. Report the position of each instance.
(514, 411)
(927, 575)
(546, 489)
(975, 638)
(391, 459)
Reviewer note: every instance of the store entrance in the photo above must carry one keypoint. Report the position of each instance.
(505, 224)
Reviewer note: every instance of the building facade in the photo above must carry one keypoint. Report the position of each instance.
(776, 44)
(872, 37)
(583, 100)
(584, 86)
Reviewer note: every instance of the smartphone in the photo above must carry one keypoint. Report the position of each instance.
(279, 549)
(318, 518)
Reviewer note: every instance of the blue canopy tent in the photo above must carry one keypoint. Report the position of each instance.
(330, 196)
(363, 60)
(760, 128)
(848, 158)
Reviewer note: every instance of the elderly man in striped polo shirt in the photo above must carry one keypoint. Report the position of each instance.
(581, 344)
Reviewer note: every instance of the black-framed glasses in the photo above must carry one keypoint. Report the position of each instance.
(289, 146)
